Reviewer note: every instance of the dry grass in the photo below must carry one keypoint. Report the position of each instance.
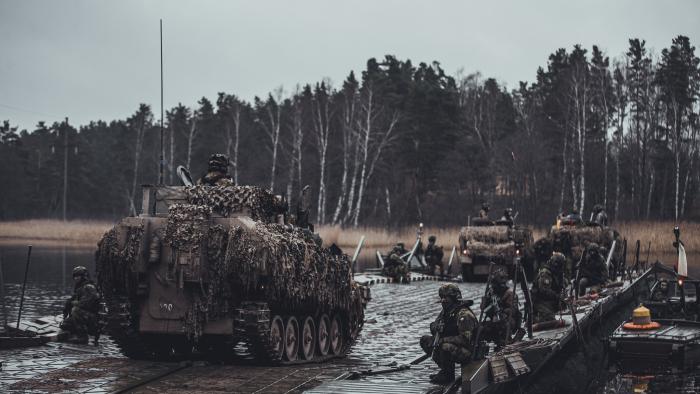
(378, 238)
(85, 233)
(660, 235)
(46, 232)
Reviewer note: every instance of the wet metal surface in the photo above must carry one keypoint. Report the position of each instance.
(396, 317)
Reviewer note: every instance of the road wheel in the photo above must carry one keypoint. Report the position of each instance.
(277, 337)
(336, 335)
(291, 339)
(324, 343)
(308, 339)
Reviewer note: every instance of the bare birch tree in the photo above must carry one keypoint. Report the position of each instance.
(139, 122)
(348, 99)
(381, 134)
(321, 121)
(269, 119)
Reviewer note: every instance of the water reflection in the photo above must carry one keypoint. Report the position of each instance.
(49, 280)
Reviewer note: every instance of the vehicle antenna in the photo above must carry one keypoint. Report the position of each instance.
(162, 155)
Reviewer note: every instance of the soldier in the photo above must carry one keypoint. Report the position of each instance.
(500, 306)
(452, 334)
(217, 172)
(573, 218)
(433, 255)
(507, 217)
(302, 216)
(80, 311)
(484, 212)
(547, 289)
(594, 273)
(399, 248)
(599, 216)
(661, 291)
(395, 268)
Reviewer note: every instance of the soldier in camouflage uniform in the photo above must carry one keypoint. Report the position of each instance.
(217, 172)
(395, 268)
(451, 334)
(599, 215)
(594, 273)
(399, 249)
(500, 306)
(547, 289)
(484, 212)
(661, 291)
(433, 255)
(80, 311)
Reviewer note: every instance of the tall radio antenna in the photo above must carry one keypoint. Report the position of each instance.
(162, 154)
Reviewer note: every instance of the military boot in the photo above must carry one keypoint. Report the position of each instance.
(445, 376)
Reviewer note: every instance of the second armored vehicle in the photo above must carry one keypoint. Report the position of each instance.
(483, 244)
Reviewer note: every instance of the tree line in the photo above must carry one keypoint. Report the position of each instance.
(401, 143)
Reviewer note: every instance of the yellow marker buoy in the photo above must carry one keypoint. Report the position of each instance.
(641, 320)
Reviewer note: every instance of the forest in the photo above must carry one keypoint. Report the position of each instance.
(399, 143)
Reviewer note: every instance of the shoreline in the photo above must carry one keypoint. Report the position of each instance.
(84, 234)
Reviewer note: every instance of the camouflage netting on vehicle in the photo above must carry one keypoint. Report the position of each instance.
(487, 234)
(572, 240)
(493, 250)
(226, 200)
(114, 263)
(300, 273)
(185, 228)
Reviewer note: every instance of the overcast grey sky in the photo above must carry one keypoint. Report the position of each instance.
(92, 60)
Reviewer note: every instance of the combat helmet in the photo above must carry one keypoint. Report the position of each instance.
(597, 208)
(557, 261)
(218, 162)
(499, 278)
(80, 271)
(450, 290)
(592, 248)
(432, 239)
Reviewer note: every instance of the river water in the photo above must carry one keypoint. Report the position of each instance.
(49, 282)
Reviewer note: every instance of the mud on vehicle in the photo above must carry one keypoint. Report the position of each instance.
(501, 244)
(206, 268)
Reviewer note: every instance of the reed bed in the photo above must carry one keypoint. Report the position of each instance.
(48, 232)
(86, 233)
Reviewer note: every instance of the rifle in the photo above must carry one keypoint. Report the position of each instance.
(486, 291)
(525, 287)
(438, 330)
(575, 288)
(610, 254)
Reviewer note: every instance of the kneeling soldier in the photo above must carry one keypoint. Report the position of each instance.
(395, 268)
(452, 334)
(80, 311)
(547, 289)
(500, 306)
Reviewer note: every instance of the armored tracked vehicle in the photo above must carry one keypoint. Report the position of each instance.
(207, 268)
(571, 240)
(482, 244)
